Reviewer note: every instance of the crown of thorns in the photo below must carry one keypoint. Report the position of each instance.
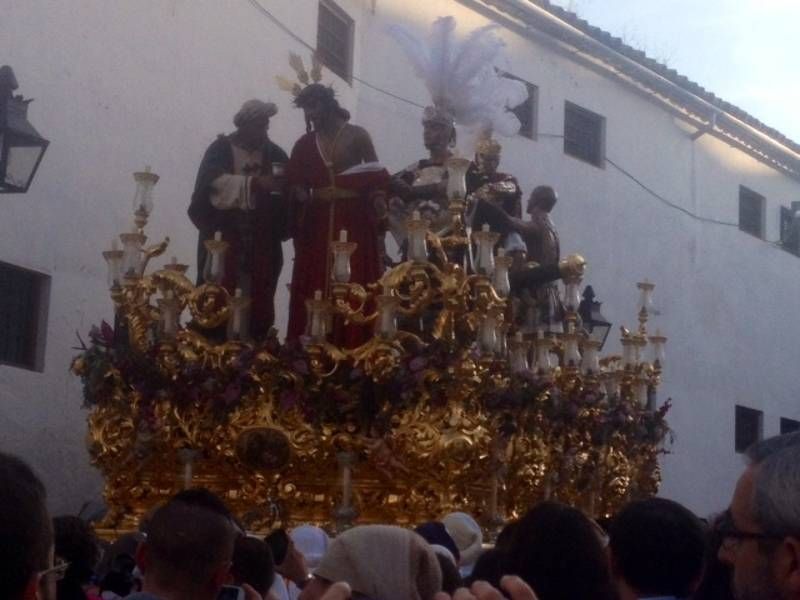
(305, 79)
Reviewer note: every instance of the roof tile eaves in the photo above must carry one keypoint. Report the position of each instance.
(668, 73)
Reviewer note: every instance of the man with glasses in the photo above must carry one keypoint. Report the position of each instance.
(26, 536)
(761, 529)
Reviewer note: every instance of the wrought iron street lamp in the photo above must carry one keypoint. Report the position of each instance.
(21, 146)
(595, 324)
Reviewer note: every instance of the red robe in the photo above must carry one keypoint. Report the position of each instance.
(346, 202)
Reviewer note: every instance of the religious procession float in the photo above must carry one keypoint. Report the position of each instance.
(465, 375)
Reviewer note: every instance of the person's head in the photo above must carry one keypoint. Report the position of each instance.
(119, 579)
(451, 578)
(26, 533)
(555, 549)
(542, 199)
(379, 562)
(252, 564)
(312, 541)
(434, 532)
(490, 567)
(320, 106)
(761, 538)
(657, 548)
(716, 581)
(188, 551)
(252, 122)
(467, 535)
(506, 536)
(76, 544)
(487, 156)
(438, 130)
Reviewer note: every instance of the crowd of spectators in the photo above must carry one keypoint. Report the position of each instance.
(193, 548)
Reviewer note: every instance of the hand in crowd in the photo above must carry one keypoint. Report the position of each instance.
(338, 591)
(481, 590)
(293, 566)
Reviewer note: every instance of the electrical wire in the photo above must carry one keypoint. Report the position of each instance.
(308, 46)
(278, 23)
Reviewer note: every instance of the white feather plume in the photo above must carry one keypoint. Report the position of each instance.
(462, 76)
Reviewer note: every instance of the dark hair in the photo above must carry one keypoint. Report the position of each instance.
(543, 196)
(506, 535)
(658, 547)
(556, 550)
(119, 578)
(278, 543)
(24, 526)
(124, 545)
(489, 567)
(716, 582)
(316, 92)
(253, 564)
(451, 578)
(434, 532)
(186, 544)
(75, 543)
(203, 498)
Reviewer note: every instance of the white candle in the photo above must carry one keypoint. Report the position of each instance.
(485, 227)
(318, 295)
(217, 236)
(342, 235)
(415, 215)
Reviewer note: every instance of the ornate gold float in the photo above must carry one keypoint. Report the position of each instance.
(442, 409)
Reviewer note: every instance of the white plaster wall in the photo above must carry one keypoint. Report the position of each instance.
(123, 84)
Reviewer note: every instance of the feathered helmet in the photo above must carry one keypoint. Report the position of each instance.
(461, 76)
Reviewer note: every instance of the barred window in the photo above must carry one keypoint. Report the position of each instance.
(584, 134)
(789, 425)
(751, 212)
(749, 427)
(23, 305)
(790, 231)
(335, 39)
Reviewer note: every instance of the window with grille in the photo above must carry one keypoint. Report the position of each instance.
(584, 134)
(751, 212)
(749, 427)
(527, 111)
(23, 305)
(335, 39)
(790, 231)
(789, 425)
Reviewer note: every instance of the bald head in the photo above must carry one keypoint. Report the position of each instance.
(543, 198)
(188, 550)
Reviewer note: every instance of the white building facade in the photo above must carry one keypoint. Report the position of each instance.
(666, 180)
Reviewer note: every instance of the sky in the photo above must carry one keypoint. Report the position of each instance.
(744, 51)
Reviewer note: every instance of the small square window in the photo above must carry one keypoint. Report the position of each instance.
(584, 134)
(335, 31)
(23, 316)
(527, 111)
(751, 212)
(789, 425)
(749, 427)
